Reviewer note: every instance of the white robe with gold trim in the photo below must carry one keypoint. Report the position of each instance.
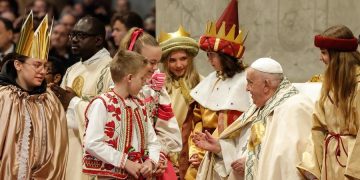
(283, 143)
(88, 79)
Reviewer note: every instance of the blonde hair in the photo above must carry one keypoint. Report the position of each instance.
(126, 62)
(340, 76)
(143, 39)
(191, 77)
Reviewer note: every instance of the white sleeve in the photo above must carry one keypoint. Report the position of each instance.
(234, 149)
(94, 137)
(167, 130)
(153, 144)
(228, 154)
(70, 113)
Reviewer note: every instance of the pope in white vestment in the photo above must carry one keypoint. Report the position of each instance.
(270, 136)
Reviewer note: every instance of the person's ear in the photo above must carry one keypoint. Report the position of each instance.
(267, 85)
(129, 78)
(99, 41)
(57, 78)
(9, 35)
(18, 65)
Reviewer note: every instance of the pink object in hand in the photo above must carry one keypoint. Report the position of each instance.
(157, 81)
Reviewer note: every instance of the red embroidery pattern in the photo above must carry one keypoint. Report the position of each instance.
(113, 142)
(165, 112)
(129, 130)
(91, 162)
(118, 135)
(142, 131)
(109, 129)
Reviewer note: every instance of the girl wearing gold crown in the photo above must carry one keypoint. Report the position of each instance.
(156, 99)
(222, 95)
(336, 121)
(178, 55)
(33, 131)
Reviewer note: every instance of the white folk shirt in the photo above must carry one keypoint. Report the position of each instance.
(95, 135)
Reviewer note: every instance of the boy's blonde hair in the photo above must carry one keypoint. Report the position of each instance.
(126, 62)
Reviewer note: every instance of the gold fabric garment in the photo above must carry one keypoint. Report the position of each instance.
(180, 100)
(317, 78)
(326, 120)
(48, 139)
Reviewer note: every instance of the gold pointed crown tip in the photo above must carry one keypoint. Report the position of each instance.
(210, 29)
(222, 34)
(34, 44)
(163, 37)
(181, 32)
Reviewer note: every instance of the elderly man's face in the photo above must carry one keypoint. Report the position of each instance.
(256, 86)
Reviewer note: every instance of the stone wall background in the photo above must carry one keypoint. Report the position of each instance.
(281, 29)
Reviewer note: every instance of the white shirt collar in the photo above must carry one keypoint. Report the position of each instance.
(99, 55)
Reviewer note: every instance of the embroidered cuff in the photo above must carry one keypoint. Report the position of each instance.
(123, 159)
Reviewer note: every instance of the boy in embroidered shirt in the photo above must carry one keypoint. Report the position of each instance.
(119, 140)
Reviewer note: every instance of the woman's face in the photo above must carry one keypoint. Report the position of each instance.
(178, 62)
(153, 56)
(324, 56)
(214, 60)
(31, 73)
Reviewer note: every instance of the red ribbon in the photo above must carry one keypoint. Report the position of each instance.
(339, 140)
(134, 36)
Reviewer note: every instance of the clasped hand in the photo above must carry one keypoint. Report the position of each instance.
(136, 169)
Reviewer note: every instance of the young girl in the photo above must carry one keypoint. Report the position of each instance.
(336, 120)
(119, 138)
(221, 97)
(33, 129)
(179, 51)
(156, 98)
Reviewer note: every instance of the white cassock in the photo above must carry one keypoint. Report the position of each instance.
(88, 79)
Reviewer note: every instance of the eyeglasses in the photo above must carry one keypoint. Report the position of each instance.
(80, 35)
(38, 67)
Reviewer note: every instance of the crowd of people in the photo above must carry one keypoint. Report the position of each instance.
(118, 20)
(100, 97)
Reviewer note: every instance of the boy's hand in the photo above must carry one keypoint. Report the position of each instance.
(162, 166)
(133, 168)
(146, 169)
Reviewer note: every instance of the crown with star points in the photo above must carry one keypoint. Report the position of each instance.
(224, 36)
(178, 40)
(34, 44)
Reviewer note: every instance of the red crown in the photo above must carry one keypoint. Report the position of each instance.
(225, 36)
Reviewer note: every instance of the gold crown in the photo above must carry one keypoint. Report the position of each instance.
(230, 36)
(179, 33)
(34, 44)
